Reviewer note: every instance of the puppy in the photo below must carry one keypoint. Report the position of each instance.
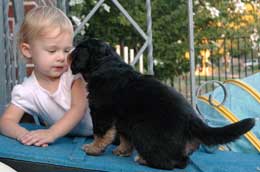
(149, 116)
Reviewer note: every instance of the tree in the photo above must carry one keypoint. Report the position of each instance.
(109, 23)
(212, 19)
(113, 27)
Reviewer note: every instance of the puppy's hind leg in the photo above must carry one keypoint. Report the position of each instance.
(125, 148)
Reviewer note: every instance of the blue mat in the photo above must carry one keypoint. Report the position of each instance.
(67, 152)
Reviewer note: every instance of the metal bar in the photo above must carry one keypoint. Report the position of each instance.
(212, 64)
(62, 4)
(8, 79)
(130, 19)
(14, 58)
(206, 79)
(232, 54)
(149, 37)
(239, 58)
(245, 56)
(13, 62)
(225, 59)
(191, 51)
(252, 57)
(43, 2)
(15, 54)
(18, 16)
(199, 78)
(140, 52)
(219, 60)
(2, 60)
(91, 13)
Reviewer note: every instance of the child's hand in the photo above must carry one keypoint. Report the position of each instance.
(37, 138)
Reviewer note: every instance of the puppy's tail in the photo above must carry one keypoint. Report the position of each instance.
(213, 136)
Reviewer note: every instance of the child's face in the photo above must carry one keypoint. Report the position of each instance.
(49, 54)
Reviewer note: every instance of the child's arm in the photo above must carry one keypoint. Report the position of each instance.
(79, 104)
(9, 122)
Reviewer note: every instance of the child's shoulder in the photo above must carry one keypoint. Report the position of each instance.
(25, 87)
(23, 95)
(29, 82)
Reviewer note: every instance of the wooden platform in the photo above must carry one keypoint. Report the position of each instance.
(66, 155)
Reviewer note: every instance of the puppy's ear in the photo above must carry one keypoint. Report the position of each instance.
(80, 59)
(109, 50)
(69, 59)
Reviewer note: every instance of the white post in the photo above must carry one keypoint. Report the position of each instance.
(141, 64)
(118, 49)
(131, 55)
(126, 54)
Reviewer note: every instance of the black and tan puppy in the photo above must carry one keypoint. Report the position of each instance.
(149, 116)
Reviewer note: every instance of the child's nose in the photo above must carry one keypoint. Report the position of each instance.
(61, 56)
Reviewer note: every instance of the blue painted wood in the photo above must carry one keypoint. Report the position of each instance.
(67, 152)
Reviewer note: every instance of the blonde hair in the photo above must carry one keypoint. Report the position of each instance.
(40, 20)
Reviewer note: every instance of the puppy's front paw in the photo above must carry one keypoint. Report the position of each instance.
(91, 149)
(122, 152)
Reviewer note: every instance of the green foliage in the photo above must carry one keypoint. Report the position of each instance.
(170, 28)
(111, 25)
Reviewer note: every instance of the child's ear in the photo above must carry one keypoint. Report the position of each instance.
(26, 50)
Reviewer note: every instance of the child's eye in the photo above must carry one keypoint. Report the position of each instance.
(51, 51)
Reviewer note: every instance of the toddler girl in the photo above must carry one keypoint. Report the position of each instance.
(51, 92)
